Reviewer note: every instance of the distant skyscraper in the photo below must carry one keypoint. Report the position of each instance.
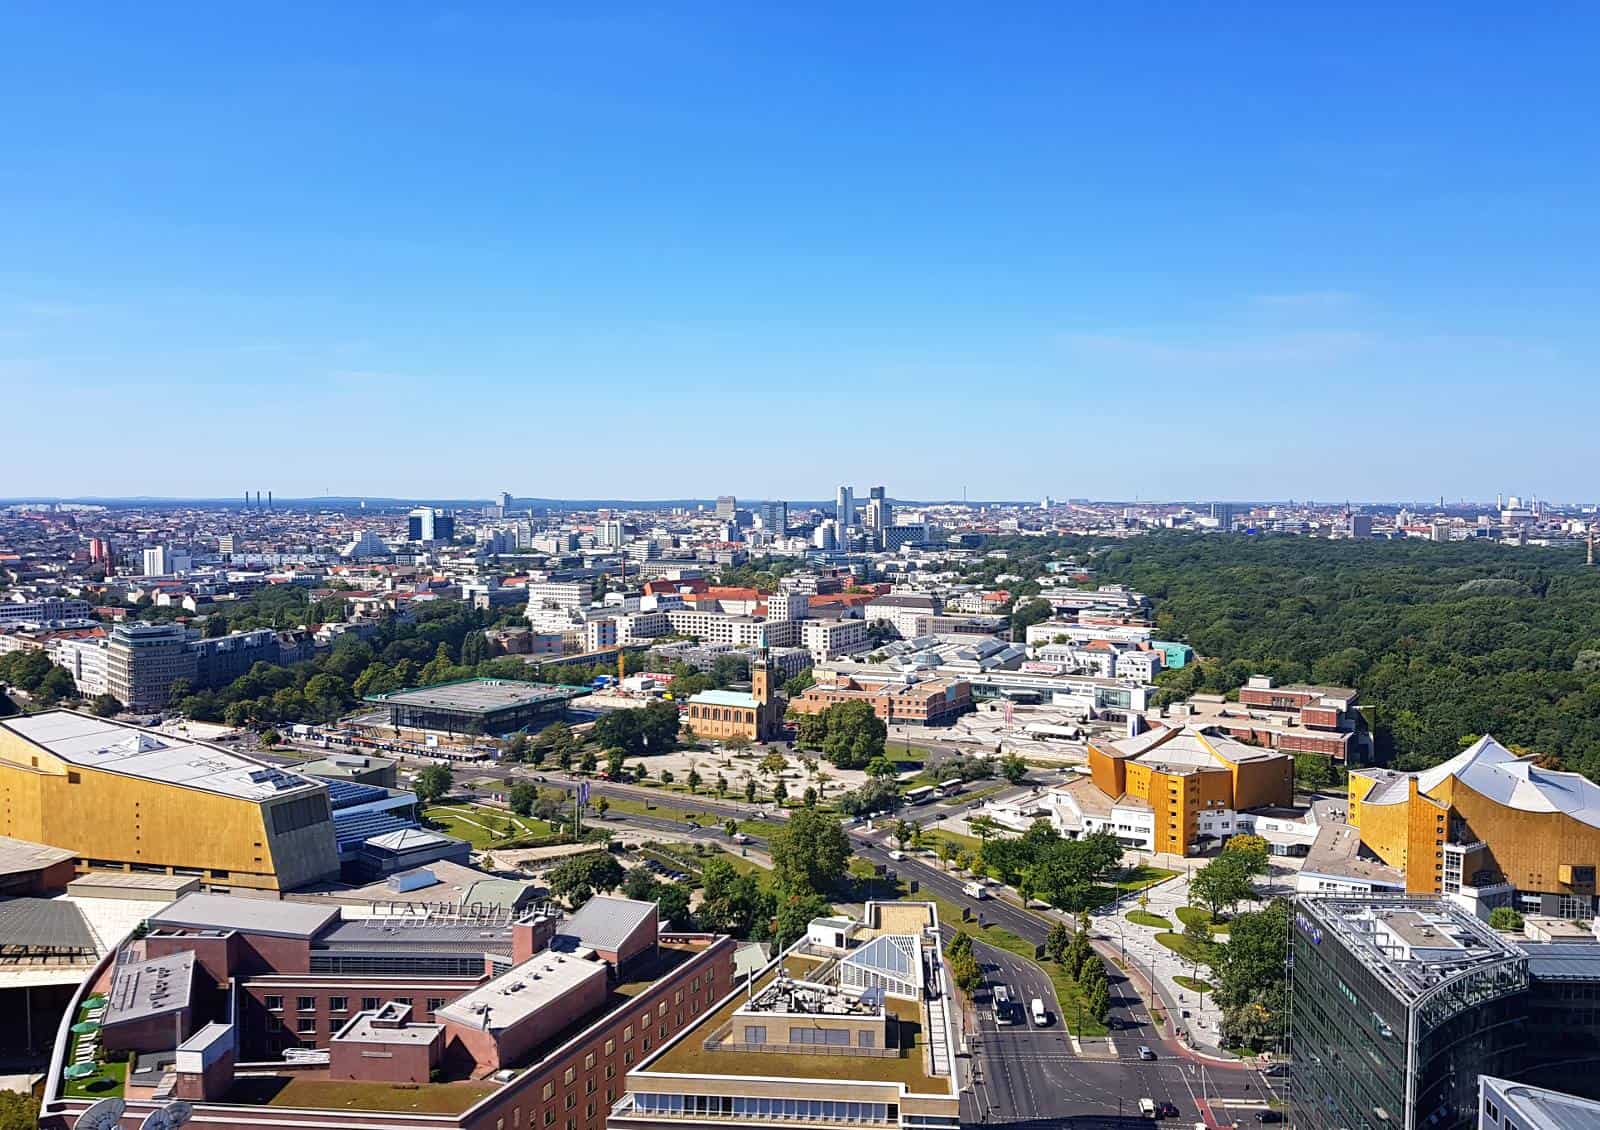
(427, 524)
(878, 514)
(1223, 513)
(155, 561)
(505, 501)
(775, 517)
(844, 507)
(727, 505)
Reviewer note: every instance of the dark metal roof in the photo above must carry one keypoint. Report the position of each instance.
(604, 922)
(1562, 961)
(30, 923)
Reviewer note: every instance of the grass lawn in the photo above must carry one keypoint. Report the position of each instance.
(1194, 984)
(1186, 948)
(1189, 915)
(1143, 876)
(105, 1085)
(682, 813)
(466, 822)
(331, 1094)
(1145, 918)
(932, 836)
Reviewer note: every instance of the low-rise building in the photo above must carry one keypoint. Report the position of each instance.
(896, 698)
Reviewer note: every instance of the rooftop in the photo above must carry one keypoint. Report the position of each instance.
(1337, 852)
(476, 696)
(21, 856)
(523, 990)
(32, 929)
(150, 988)
(604, 922)
(248, 915)
(388, 1024)
(725, 698)
(1185, 749)
(1413, 945)
(114, 747)
(1522, 1104)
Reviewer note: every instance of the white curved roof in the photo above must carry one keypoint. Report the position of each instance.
(1490, 769)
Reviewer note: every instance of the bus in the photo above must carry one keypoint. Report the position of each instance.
(951, 788)
(922, 794)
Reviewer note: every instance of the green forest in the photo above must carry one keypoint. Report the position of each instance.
(1444, 641)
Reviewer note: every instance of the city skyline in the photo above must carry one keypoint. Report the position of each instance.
(1092, 231)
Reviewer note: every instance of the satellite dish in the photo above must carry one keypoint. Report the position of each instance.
(157, 1119)
(179, 1112)
(103, 1115)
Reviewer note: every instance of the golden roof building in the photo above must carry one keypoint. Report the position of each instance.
(125, 798)
(1488, 828)
(1191, 781)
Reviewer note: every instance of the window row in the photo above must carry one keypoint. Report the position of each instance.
(787, 1110)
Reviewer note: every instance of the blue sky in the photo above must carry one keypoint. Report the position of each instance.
(1164, 251)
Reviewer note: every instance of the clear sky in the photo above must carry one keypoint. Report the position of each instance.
(1114, 250)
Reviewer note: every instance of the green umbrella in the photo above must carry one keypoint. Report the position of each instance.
(79, 1070)
(84, 1027)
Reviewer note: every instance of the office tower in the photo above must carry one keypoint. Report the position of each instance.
(1223, 513)
(504, 501)
(826, 536)
(155, 561)
(1398, 1005)
(227, 544)
(727, 504)
(611, 534)
(775, 517)
(142, 660)
(427, 524)
(878, 512)
(844, 508)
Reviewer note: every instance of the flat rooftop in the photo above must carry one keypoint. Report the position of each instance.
(150, 988)
(523, 990)
(1338, 854)
(1411, 944)
(476, 696)
(387, 1024)
(19, 857)
(151, 755)
(1522, 1104)
(247, 915)
(687, 1054)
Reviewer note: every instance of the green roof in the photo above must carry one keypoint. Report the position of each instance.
(725, 698)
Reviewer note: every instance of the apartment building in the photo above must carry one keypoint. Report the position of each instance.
(42, 610)
(828, 640)
(900, 611)
(143, 661)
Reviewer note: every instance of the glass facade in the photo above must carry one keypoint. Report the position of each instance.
(1368, 1055)
(765, 1110)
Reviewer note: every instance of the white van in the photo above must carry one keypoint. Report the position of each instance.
(975, 890)
(1040, 1016)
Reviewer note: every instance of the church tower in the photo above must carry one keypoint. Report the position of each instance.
(761, 678)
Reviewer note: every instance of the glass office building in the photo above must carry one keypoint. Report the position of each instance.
(1398, 1005)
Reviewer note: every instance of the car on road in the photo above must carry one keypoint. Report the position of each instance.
(1147, 1108)
(897, 855)
(1040, 1016)
(1145, 1053)
(740, 838)
(1166, 1110)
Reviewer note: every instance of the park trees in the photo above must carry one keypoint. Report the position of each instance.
(1225, 882)
(1251, 986)
(809, 852)
(595, 871)
(433, 783)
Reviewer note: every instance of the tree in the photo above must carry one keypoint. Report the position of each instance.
(589, 762)
(474, 649)
(522, 797)
(855, 734)
(1057, 942)
(270, 738)
(750, 790)
(18, 1111)
(809, 852)
(1505, 918)
(903, 830)
(1225, 882)
(1251, 987)
(1251, 845)
(799, 684)
(517, 748)
(873, 796)
(780, 792)
(658, 726)
(105, 706)
(968, 976)
(672, 904)
(809, 797)
(601, 806)
(881, 766)
(1312, 772)
(639, 884)
(433, 783)
(731, 902)
(620, 728)
(692, 779)
(596, 871)
(774, 763)
(1014, 769)
(795, 912)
